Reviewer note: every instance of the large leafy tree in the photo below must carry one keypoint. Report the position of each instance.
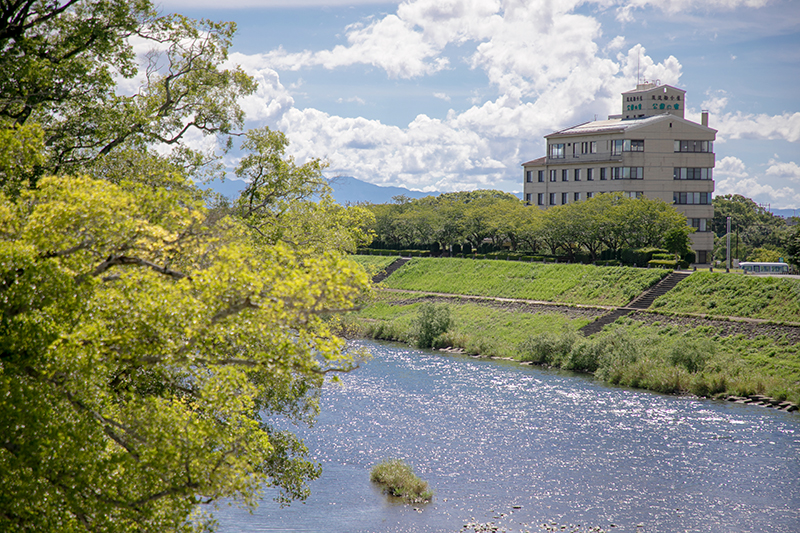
(144, 350)
(149, 345)
(756, 233)
(62, 64)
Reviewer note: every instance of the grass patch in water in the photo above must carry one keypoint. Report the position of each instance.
(398, 479)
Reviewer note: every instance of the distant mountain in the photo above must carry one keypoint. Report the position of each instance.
(346, 190)
(351, 190)
(785, 213)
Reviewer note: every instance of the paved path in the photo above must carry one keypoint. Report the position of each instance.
(589, 307)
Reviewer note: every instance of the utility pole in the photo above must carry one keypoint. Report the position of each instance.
(728, 245)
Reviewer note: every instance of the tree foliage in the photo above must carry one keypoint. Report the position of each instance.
(152, 348)
(63, 63)
(144, 350)
(605, 222)
(755, 232)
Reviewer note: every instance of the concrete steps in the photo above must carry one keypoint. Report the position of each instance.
(645, 300)
(594, 327)
(389, 270)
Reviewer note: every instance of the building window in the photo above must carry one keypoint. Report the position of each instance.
(633, 194)
(702, 256)
(589, 174)
(691, 198)
(540, 199)
(589, 147)
(634, 146)
(528, 198)
(552, 175)
(634, 173)
(575, 149)
(557, 151)
(576, 197)
(553, 198)
(627, 173)
(626, 145)
(700, 224)
(589, 195)
(564, 174)
(564, 198)
(692, 174)
(603, 173)
(694, 146)
(541, 176)
(529, 176)
(577, 174)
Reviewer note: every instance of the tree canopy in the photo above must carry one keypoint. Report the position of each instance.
(153, 342)
(757, 234)
(607, 221)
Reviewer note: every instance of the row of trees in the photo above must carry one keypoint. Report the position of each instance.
(152, 337)
(609, 221)
(756, 234)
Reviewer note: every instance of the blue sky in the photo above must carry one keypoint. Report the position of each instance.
(456, 94)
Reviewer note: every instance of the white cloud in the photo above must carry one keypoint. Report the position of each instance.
(750, 126)
(352, 99)
(732, 177)
(264, 4)
(790, 170)
(616, 43)
(716, 101)
(626, 9)
(544, 70)
(390, 43)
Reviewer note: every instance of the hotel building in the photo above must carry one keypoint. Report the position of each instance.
(649, 150)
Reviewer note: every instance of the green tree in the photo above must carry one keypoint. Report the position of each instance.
(793, 246)
(284, 202)
(146, 351)
(60, 67)
(148, 344)
(676, 240)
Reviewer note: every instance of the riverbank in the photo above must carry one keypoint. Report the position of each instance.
(682, 353)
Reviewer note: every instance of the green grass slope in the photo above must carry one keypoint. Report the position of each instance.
(720, 294)
(373, 263)
(572, 284)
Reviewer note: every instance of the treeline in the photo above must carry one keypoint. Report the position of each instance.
(756, 234)
(607, 226)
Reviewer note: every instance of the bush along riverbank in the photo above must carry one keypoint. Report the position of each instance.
(703, 357)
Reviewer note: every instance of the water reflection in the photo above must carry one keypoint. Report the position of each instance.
(490, 436)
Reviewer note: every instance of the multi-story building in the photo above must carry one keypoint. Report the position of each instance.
(649, 150)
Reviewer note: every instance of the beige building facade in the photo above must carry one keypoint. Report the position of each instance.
(649, 150)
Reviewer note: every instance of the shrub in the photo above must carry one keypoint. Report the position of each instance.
(691, 354)
(547, 348)
(663, 263)
(399, 480)
(585, 356)
(433, 320)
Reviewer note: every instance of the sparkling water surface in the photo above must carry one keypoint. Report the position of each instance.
(521, 447)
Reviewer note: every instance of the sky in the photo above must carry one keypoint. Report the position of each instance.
(445, 95)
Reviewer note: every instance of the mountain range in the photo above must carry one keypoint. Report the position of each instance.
(348, 191)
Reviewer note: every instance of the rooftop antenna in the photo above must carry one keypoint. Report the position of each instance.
(638, 59)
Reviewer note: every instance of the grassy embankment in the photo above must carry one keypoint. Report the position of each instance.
(664, 357)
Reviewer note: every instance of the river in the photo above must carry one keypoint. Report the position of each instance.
(523, 447)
